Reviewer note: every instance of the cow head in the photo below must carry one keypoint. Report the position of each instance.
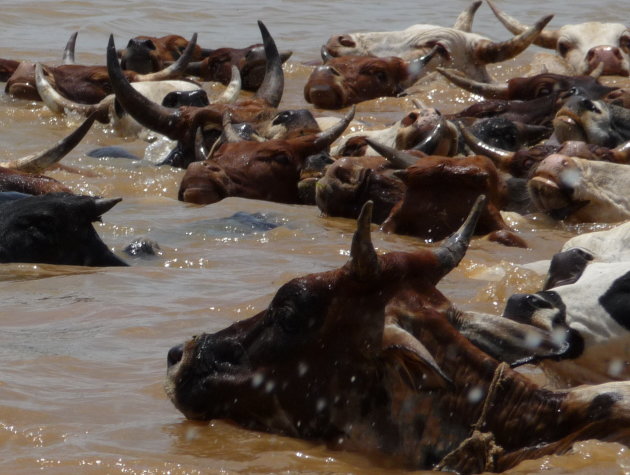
(268, 170)
(55, 228)
(580, 190)
(348, 80)
(287, 370)
(595, 122)
(584, 46)
(251, 62)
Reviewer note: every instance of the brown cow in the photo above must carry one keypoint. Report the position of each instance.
(251, 62)
(268, 170)
(149, 54)
(528, 88)
(182, 124)
(85, 84)
(348, 80)
(438, 192)
(364, 358)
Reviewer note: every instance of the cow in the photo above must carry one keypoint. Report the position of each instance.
(109, 112)
(522, 163)
(349, 182)
(533, 87)
(583, 46)
(458, 47)
(268, 170)
(429, 208)
(55, 228)
(149, 54)
(592, 121)
(584, 303)
(82, 83)
(348, 80)
(424, 129)
(581, 190)
(182, 124)
(250, 61)
(364, 358)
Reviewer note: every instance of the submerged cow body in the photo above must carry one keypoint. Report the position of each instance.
(401, 382)
(55, 228)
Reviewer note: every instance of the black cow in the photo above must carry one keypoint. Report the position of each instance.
(55, 229)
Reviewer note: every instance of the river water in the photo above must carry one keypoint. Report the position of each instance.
(84, 350)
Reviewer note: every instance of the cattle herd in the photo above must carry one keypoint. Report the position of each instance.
(415, 378)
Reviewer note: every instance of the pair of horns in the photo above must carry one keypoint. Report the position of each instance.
(364, 260)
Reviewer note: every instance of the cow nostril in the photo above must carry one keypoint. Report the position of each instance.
(175, 355)
(345, 40)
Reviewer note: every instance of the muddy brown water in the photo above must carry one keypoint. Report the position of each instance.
(84, 350)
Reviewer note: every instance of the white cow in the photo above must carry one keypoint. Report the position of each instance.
(583, 46)
(458, 47)
(581, 190)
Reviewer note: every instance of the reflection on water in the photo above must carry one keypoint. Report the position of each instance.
(84, 350)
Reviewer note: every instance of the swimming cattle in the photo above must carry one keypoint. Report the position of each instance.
(458, 48)
(584, 46)
(401, 381)
(55, 228)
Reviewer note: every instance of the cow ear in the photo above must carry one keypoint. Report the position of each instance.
(410, 358)
(509, 341)
(363, 259)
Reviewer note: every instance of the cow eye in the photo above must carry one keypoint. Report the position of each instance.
(544, 91)
(563, 48)
(288, 319)
(280, 158)
(380, 75)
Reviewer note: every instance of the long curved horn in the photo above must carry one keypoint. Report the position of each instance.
(398, 158)
(68, 51)
(149, 114)
(491, 52)
(233, 89)
(622, 152)
(59, 104)
(500, 157)
(489, 91)
(416, 66)
(546, 39)
(363, 259)
(430, 143)
(452, 250)
(328, 136)
(177, 69)
(465, 19)
(39, 162)
(272, 85)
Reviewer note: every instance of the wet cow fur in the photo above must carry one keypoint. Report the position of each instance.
(401, 382)
(55, 228)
